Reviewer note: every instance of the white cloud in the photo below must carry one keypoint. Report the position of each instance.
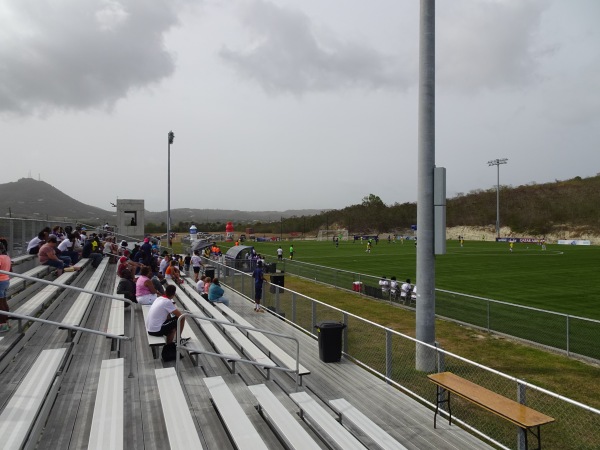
(64, 58)
(287, 53)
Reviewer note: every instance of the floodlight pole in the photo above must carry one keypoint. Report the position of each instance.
(497, 162)
(171, 137)
(425, 317)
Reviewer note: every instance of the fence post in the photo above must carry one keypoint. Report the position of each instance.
(388, 355)
(441, 358)
(294, 307)
(488, 316)
(313, 315)
(11, 237)
(568, 338)
(242, 288)
(277, 300)
(345, 340)
(521, 433)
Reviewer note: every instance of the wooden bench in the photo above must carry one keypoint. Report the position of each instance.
(82, 303)
(273, 350)
(379, 437)
(286, 425)
(156, 342)
(211, 331)
(525, 418)
(116, 320)
(324, 424)
(178, 418)
(36, 303)
(16, 284)
(107, 422)
(248, 347)
(25, 414)
(236, 421)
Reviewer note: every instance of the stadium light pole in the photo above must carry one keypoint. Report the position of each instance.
(497, 163)
(171, 138)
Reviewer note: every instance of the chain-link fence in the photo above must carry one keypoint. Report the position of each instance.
(570, 334)
(392, 356)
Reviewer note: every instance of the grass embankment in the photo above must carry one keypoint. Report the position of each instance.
(571, 378)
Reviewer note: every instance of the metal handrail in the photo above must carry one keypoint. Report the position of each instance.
(229, 358)
(86, 291)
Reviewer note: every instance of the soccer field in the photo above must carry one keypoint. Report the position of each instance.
(562, 278)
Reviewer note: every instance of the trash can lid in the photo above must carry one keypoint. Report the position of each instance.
(331, 325)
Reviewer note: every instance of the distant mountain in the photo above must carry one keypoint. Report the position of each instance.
(30, 198)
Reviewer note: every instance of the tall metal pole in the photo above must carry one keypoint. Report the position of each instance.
(425, 332)
(497, 162)
(171, 137)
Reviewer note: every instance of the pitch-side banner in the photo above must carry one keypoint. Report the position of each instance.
(574, 242)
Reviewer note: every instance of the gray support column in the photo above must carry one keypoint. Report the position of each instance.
(425, 357)
(521, 433)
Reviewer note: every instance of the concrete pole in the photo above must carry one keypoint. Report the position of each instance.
(425, 357)
(498, 203)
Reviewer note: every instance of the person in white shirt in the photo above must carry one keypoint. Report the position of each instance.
(163, 315)
(393, 288)
(200, 285)
(405, 291)
(66, 248)
(385, 286)
(196, 263)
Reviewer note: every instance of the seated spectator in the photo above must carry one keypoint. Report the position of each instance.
(393, 287)
(173, 273)
(144, 288)
(215, 293)
(163, 317)
(127, 286)
(47, 256)
(200, 285)
(125, 263)
(88, 253)
(33, 247)
(164, 264)
(207, 282)
(405, 291)
(66, 247)
(385, 286)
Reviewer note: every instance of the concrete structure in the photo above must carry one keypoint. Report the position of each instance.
(130, 217)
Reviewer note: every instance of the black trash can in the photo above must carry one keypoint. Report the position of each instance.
(209, 271)
(276, 280)
(330, 341)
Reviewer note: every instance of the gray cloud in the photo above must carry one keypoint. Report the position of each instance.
(489, 44)
(77, 55)
(288, 55)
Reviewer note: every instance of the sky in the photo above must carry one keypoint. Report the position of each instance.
(292, 104)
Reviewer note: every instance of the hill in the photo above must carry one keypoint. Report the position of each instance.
(30, 198)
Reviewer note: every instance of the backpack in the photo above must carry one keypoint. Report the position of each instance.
(169, 352)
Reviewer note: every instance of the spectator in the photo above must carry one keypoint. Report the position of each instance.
(47, 256)
(67, 248)
(186, 263)
(33, 247)
(393, 288)
(89, 253)
(6, 265)
(385, 286)
(163, 317)
(164, 264)
(280, 254)
(207, 282)
(259, 278)
(200, 285)
(215, 293)
(144, 288)
(127, 286)
(172, 272)
(196, 264)
(405, 291)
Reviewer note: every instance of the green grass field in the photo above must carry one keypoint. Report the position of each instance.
(562, 278)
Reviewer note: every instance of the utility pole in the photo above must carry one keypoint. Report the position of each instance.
(425, 326)
(497, 162)
(171, 138)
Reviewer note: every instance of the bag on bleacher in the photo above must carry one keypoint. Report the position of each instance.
(169, 352)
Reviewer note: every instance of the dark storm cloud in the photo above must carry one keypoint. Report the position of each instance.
(288, 56)
(77, 55)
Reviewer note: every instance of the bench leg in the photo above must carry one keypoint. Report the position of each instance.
(440, 400)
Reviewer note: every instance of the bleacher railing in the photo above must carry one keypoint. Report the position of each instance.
(392, 356)
(25, 318)
(573, 335)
